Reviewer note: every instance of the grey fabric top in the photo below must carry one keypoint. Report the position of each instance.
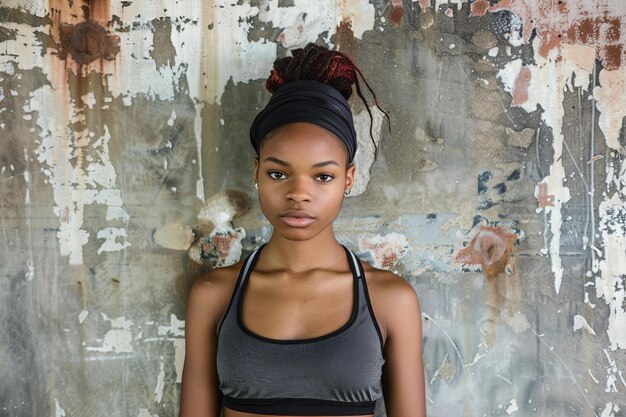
(345, 365)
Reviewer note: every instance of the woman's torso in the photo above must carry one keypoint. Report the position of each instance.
(317, 339)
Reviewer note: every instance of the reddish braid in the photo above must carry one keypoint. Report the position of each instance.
(315, 62)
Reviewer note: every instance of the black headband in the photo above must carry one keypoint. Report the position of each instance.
(306, 101)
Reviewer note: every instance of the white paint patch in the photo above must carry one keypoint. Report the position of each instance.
(219, 210)
(611, 102)
(176, 328)
(118, 339)
(117, 213)
(58, 411)
(581, 323)
(111, 243)
(179, 358)
(89, 99)
(158, 391)
(611, 281)
(549, 78)
(609, 410)
(144, 412)
(364, 157)
(306, 20)
(197, 128)
(512, 408)
(613, 373)
(82, 316)
(172, 118)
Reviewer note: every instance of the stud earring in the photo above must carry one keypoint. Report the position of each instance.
(347, 191)
(256, 185)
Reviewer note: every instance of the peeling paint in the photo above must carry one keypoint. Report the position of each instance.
(158, 390)
(174, 236)
(612, 279)
(490, 247)
(58, 411)
(581, 323)
(385, 250)
(364, 157)
(305, 21)
(118, 339)
(572, 70)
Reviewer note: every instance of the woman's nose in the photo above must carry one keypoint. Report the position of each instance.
(298, 191)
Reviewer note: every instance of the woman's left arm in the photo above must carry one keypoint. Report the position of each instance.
(403, 372)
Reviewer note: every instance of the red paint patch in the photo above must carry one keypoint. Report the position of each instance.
(612, 56)
(398, 10)
(611, 29)
(490, 247)
(588, 32)
(520, 90)
(479, 7)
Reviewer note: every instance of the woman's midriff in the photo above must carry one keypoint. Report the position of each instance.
(232, 413)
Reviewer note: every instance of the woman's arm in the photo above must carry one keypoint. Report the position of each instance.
(200, 395)
(403, 372)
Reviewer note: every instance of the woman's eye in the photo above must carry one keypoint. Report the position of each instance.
(276, 175)
(325, 177)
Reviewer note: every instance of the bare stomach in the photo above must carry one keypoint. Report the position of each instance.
(232, 413)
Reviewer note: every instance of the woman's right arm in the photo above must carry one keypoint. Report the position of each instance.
(200, 395)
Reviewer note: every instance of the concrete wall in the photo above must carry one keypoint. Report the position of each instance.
(500, 193)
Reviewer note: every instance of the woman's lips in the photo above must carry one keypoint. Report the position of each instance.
(297, 221)
(297, 218)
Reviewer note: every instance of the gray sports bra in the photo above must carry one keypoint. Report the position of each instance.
(334, 374)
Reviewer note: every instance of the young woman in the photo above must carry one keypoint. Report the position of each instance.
(302, 326)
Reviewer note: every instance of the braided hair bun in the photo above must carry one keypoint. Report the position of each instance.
(318, 63)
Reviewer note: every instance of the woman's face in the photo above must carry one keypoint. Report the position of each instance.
(302, 175)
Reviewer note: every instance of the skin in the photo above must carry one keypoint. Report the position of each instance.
(301, 286)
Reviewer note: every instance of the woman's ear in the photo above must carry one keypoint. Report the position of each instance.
(255, 175)
(350, 174)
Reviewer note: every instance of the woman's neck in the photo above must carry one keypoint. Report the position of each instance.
(291, 256)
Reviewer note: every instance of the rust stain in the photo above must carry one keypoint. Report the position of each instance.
(397, 12)
(520, 90)
(100, 11)
(490, 247)
(87, 42)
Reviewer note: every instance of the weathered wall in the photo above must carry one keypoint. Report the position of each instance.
(500, 193)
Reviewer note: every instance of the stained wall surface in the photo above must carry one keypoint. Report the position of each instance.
(499, 194)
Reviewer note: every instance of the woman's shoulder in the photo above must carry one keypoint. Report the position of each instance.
(219, 276)
(385, 283)
(214, 287)
(393, 298)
